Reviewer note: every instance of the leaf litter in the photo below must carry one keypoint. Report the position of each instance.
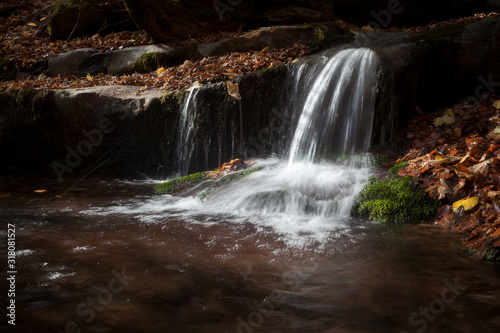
(455, 156)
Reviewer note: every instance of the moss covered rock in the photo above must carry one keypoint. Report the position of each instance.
(182, 183)
(394, 200)
(179, 183)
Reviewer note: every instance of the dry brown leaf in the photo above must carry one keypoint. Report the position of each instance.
(233, 90)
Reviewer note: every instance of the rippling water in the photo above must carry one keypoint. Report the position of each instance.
(107, 256)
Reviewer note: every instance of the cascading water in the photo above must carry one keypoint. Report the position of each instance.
(274, 251)
(187, 131)
(306, 199)
(309, 194)
(337, 114)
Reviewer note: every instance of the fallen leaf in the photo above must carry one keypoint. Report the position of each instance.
(468, 204)
(447, 119)
(493, 195)
(40, 191)
(494, 134)
(480, 167)
(32, 24)
(444, 189)
(233, 90)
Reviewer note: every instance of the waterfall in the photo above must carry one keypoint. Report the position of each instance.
(187, 132)
(307, 197)
(334, 99)
(336, 115)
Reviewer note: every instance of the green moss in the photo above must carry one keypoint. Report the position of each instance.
(493, 254)
(394, 200)
(178, 183)
(396, 167)
(380, 159)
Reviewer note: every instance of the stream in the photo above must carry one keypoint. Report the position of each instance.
(274, 251)
(107, 256)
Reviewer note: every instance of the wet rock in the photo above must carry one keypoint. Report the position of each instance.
(123, 129)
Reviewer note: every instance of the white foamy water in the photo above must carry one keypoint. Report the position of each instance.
(303, 200)
(336, 114)
(303, 203)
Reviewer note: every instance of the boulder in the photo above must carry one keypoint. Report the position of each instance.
(69, 62)
(76, 18)
(172, 21)
(282, 15)
(115, 62)
(407, 13)
(84, 61)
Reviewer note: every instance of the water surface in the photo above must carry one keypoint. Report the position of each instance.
(189, 269)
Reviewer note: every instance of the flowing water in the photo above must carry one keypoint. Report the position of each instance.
(187, 132)
(337, 113)
(191, 270)
(274, 251)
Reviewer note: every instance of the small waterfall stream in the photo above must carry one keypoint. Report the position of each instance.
(311, 192)
(337, 114)
(187, 131)
(275, 251)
